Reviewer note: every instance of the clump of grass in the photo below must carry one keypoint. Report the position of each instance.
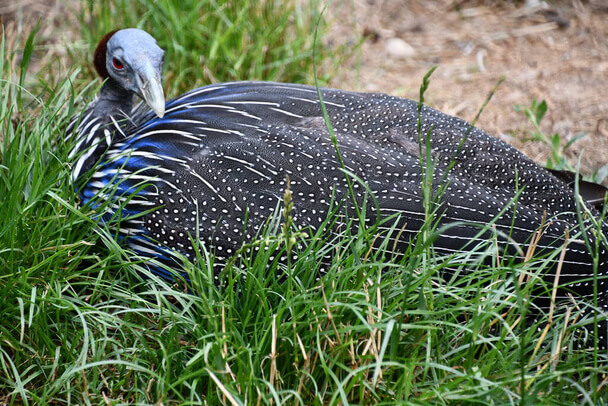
(80, 323)
(535, 113)
(212, 41)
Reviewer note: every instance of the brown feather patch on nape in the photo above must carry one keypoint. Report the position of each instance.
(99, 58)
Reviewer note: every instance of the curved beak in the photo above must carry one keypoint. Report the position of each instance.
(151, 91)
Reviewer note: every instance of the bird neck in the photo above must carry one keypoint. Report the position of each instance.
(112, 106)
(113, 99)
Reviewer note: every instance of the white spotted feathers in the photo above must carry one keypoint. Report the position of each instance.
(214, 168)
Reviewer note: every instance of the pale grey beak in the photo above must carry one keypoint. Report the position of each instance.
(152, 92)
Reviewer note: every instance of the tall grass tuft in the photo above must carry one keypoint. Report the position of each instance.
(210, 41)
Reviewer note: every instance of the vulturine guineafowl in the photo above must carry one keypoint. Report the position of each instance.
(215, 158)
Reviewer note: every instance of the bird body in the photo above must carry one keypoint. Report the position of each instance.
(213, 165)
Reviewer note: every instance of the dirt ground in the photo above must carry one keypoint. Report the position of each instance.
(555, 51)
(548, 50)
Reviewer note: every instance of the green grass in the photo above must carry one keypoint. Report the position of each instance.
(210, 41)
(558, 146)
(81, 324)
(535, 114)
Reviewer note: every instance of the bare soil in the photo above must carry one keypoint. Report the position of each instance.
(555, 51)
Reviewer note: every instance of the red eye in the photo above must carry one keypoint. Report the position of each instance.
(117, 63)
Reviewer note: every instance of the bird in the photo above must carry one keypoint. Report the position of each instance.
(213, 164)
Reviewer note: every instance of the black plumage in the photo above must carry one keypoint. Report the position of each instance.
(221, 154)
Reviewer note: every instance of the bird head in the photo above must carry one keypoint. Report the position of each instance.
(134, 61)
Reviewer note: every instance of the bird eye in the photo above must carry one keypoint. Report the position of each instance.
(117, 63)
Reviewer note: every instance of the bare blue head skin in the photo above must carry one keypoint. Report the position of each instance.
(132, 63)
